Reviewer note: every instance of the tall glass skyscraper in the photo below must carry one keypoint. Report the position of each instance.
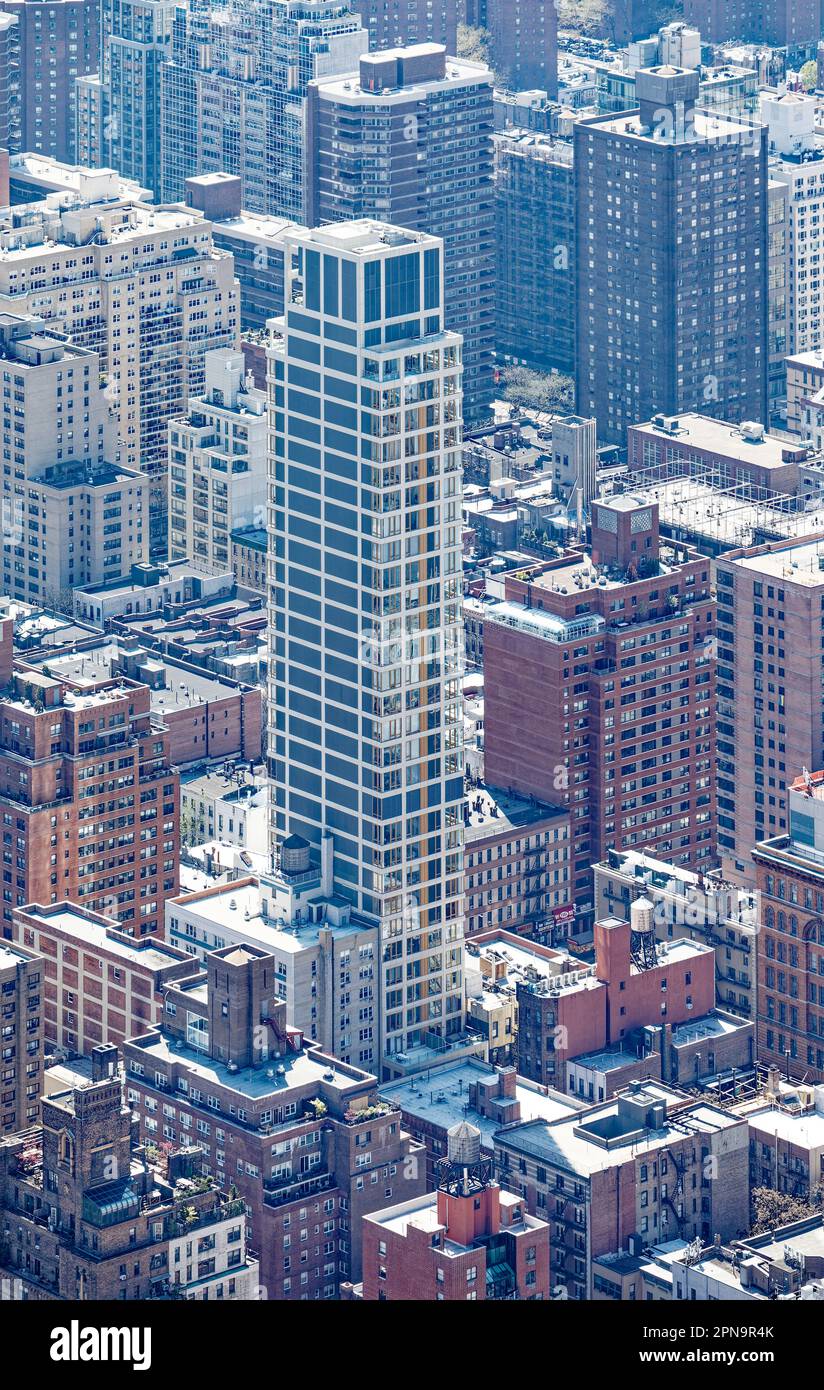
(365, 600)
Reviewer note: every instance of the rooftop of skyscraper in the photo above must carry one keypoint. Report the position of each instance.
(394, 75)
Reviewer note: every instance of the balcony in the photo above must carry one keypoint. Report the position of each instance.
(280, 1192)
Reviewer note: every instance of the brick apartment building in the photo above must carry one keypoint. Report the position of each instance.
(777, 23)
(88, 800)
(599, 692)
(83, 1214)
(516, 864)
(770, 666)
(523, 41)
(301, 1135)
(56, 42)
(468, 1241)
(645, 1009)
(702, 906)
(204, 715)
(787, 1139)
(21, 1037)
(100, 985)
(789, 875)
(697, 445)
(648, 1163)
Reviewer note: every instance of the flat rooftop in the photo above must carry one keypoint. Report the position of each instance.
(216, 784)
(170, 572)
(525, 963)
(347, 87)
(251, 226)
(733, 516)
(361, 238)
(422, 1212)
(440, 1096)
(565, 1143)
(809, 1242)
(805, 1129)
(9, 957)
(300, 1069)
(709, 1026)
(153, 954)
(644, 869)
(799, 563)
(185, 686)
(707, 127)
(236, 906)
(607, 1060)
(718, 437)
(493, 809)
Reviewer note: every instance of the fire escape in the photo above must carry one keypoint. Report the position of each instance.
(533, 893)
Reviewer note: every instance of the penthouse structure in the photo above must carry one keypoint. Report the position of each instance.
(101, 985)
(70, 514)
(88, 799)
(769, 623)
(145, 290)
(616, 640)
(35, 177)
(671, 309)
(217, 464)
(21, 1037)
(151, 589)
(789, 875)
(469, 1240)
(84, 1215)
(648, 1163)
(404, 138)
(352, 627)
(233, 94)
(299, 1134)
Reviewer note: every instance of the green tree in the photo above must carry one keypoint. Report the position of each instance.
(772, 1208)
(474, 44)
(809, 76)
(190, 832)
(548, 391)
(584, 16)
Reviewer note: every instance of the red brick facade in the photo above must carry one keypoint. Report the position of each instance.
(89, 801)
